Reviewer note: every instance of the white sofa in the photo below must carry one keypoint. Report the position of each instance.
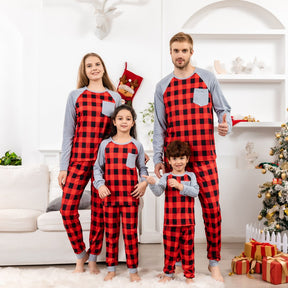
(29, 235)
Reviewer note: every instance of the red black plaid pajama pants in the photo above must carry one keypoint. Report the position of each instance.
(129, 219)
(207, 178)
(78, 175)
(177, 238)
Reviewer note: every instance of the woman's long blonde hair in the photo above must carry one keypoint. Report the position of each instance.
(83, 79)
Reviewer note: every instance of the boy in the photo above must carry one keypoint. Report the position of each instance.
(180, 189)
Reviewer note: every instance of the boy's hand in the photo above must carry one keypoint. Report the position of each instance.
(103, 192)
(139, 190)
(150, 179)
(175, 184)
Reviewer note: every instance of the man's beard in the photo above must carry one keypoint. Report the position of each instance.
(181, 66)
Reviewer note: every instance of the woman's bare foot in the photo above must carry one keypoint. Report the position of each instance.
(216, 273)
(80, 264)
(189, 280)
(134, 277)
(110, 276)
(165, 279)
(93, 268)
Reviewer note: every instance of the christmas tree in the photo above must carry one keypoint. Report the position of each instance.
(275, 204)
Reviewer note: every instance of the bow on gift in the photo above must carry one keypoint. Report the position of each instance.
(263, 248)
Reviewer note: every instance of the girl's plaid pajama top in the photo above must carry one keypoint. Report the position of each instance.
(184, 111)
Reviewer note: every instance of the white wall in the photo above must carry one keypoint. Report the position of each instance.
(45, 41)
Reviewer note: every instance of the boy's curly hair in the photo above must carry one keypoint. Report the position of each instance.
(177, 149)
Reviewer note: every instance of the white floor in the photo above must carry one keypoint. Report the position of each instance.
(151, 256)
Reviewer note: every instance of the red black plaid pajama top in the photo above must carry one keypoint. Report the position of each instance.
(87, 121)
(116, 167)
(184, 111)
(179, 205)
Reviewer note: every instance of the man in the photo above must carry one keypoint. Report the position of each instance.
(184, 103)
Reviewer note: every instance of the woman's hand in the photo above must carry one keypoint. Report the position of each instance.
(62, 178)
(139, 190)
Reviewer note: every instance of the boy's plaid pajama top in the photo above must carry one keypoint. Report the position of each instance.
(87, 121)
(184, 111)
(179, 221)
(116, 167)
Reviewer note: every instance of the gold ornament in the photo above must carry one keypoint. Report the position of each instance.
(263, 171)
(269, 216)
(259, 195)
(252, 271)
(283, 176)
(286, 211)
(261, 231)
(268, 195)
(260, 217)
(271, 153)
(283, 125)
(281, 156)
(284, 165)
(277, 226)
(278, 135)
(286, 138)
(280, 193)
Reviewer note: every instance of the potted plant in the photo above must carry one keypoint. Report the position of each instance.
(10, 158)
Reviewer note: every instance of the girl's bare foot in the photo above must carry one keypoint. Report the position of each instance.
(93, 268)
(216, 273)
(80, 264)
(110, 276)
(165, 279)
(189, 280)
(178, 269)
(134, 277)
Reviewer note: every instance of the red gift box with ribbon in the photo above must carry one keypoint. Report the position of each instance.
(240, 265)
(275, 269)
(257, 250)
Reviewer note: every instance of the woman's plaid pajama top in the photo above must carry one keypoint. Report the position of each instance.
(87, 121)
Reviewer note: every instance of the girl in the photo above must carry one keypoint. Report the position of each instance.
(87, 121)
(116, 179)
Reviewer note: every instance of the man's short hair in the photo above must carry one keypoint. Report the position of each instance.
(181, 37)
(177, 149)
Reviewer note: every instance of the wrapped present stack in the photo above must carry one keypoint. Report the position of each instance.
(262, 258)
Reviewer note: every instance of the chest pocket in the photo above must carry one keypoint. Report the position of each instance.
(200, 97)
(107, 108)
(131, 160)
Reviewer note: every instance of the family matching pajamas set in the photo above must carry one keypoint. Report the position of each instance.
(179, 221)
(116, 167)
(184, 111)
(87, 121)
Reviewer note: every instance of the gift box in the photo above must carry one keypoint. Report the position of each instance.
(275, 269)
(256, 266)
(257, 250)
(240, 265)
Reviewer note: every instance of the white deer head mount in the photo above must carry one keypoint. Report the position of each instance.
(105, 13)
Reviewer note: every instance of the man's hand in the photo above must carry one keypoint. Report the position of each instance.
(158, 167)
(223, 127)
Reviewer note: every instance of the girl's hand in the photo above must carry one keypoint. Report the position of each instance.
(139, 190)
(150, 179)
(103, 192)
(62, 178)
(175, 184)
(147, 158)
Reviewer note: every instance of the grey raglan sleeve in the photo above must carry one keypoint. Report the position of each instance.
(117, 98)
(160, 187)
(191, 188)
(160, 125)
(68, 132)
(140, 162)
(99, 166)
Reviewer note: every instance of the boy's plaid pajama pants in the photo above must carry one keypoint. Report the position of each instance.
(79, 174)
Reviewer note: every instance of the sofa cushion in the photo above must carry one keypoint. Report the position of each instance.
(85, 202)
(52, 221)
(18, 220)
(24, 187)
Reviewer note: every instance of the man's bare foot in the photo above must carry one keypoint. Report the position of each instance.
(178, 269)
(93, 268)
(189, 280)
(165, 279)
(110, 276)
(216, 273)
(80, 264)
(134, 277)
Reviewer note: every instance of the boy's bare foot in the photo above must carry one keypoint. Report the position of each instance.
(189, 280)
(80, 264)
(216, 273)
(93, 268)
(165, 279)
(110, 276)
(178, 269)
(134, 277)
